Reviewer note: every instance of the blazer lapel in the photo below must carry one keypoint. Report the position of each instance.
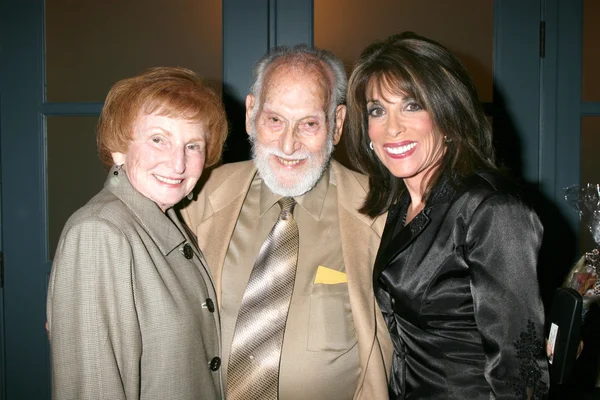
(360, 234)
(167, 236)
(360, 237)
(216, 228)
(392, 243)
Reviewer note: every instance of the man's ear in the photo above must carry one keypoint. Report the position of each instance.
(118, 158)
(340, 116)
(249, 110)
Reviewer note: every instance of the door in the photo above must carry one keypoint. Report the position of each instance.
(23, 223)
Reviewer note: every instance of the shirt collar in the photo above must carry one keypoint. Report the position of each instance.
(442, 193)
(311, 201)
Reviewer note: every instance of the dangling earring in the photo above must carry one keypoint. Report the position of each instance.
(371, 145)
(446, 139)
(190, 196)
(115, 179)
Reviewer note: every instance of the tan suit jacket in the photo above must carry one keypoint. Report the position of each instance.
(128, 307)
(213, 217)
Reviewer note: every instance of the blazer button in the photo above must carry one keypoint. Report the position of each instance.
(187, 251)
(215, 363)
(210, 305)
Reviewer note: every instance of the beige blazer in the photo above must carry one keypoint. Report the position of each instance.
(213, 217)
(129, 305)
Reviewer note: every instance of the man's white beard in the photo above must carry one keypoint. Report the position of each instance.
(297, 182)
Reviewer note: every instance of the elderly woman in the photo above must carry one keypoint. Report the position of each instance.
(455, 275)
(131, 305)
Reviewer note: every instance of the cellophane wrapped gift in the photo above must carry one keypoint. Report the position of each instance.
(585, 275)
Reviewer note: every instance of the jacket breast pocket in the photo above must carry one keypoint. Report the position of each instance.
(330, 322)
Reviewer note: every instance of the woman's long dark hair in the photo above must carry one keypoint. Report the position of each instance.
(411, 65)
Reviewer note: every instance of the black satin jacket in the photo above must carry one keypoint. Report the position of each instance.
(458, 289)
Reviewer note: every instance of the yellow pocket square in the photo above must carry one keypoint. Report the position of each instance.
(328, 276)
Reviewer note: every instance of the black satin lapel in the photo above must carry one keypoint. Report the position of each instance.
(393, 245)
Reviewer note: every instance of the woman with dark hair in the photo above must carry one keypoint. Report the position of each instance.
(455, 275)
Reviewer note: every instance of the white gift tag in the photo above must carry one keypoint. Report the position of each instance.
(551, 342)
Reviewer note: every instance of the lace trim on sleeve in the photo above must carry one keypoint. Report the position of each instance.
(529, 382)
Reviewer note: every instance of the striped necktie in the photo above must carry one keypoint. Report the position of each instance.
(253, 370)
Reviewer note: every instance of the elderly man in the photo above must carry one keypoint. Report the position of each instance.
(290, 255)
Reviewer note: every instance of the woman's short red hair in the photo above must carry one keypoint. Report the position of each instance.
(171, 91)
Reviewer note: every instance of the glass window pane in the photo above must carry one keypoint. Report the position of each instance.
(92, 44)
(591, 55)
(75, 173)
(464, 26)
(590, 167)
